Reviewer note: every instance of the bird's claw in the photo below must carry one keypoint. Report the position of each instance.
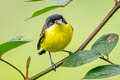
(70, 53)
(53, 66)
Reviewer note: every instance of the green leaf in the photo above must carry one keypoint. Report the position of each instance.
(57, 4)
(80, 58)
(32, 0)
(103, 72)
(11, 44)
(37, 13)
(106, 43)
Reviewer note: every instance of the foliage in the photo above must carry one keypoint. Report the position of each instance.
(102, 47)
(11, 44)
(32, 0)
(103, 71)
(54, 5)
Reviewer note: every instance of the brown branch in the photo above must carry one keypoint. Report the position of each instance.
(91, 36)
(103, 22)
(116, 1)
(13, 67)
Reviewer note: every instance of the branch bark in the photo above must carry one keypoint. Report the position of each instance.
(90, 37)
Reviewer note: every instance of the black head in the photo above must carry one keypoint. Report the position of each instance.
(55, 19)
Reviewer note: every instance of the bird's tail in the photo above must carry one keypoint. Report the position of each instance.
(42, 52)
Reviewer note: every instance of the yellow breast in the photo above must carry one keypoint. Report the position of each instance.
(57, 37)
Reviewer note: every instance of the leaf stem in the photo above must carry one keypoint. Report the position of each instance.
(67, 3)
(91, 36)
(13, 67)
(107, 60)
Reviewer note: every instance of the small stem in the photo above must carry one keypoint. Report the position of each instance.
(27, 68)
(107, 60)
(91, 36)
(67, 3)
(13, 67)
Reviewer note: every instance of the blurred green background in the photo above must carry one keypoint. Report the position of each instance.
(83, 15)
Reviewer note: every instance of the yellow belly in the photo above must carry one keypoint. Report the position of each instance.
(57, 37)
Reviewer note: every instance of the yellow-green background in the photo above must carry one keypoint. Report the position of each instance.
(83, 15)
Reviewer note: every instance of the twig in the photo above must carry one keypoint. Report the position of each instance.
(27, 68)
(91, 36)
(107, 60)
(13, 67)
(67, 3)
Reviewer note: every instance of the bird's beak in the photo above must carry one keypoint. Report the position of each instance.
(59, 21)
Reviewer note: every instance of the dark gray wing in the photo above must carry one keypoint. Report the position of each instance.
(40, 41)
(42, 35)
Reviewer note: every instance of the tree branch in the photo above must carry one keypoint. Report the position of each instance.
(103, 22)
(13, 67)
(117, 3)
(91, 36)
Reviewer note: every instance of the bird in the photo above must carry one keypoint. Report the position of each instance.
(56, 34)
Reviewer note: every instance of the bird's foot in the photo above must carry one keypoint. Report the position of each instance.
(70, 53)
(53, 66)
